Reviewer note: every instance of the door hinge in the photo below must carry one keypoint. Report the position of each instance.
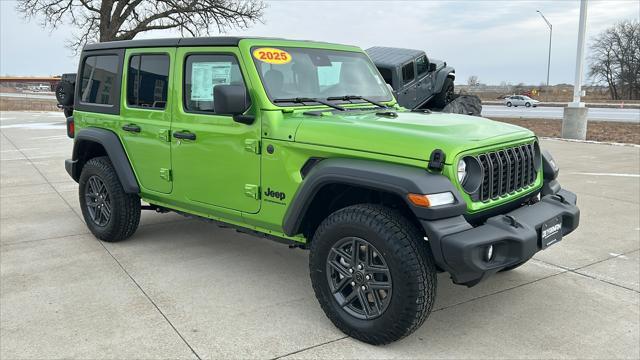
(252, 191)
(164, 135)
(165, 174)
(252, 145)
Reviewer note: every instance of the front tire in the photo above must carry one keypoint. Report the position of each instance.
(445, 96)
(372, 273)
(509, 104)
(110, 213)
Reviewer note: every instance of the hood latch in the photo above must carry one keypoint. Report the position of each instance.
(436, 160)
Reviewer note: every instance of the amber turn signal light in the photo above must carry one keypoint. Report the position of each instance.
(431, 200)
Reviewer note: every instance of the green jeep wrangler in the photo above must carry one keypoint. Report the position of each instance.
(304, 143)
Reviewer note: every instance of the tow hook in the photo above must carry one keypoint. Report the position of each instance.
(511, 221)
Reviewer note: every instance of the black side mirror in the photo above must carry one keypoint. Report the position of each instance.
(232, 100)
(432, 67)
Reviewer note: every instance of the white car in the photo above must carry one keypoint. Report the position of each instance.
(517, 100)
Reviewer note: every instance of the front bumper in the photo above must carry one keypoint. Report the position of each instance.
(459, 247)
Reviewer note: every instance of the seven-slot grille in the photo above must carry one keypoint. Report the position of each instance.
(506, 171)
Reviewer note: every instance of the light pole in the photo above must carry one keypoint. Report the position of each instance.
(574, 118)
(550, 34)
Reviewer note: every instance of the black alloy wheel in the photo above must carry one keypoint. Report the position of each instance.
(359, 278)
(98, 201)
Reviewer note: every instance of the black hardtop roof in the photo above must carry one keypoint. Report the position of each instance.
(172, 42)
(391, 57)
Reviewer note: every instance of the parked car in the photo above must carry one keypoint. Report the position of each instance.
(303, 142)
(417, 81)
(520, 100)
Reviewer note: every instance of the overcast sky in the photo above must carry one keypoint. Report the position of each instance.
(495, 40)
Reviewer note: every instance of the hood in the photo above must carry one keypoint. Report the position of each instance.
(410, 135)
(438, 62)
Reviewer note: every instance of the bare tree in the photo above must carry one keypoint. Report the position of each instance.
(615, 60)
(111, 20)
(473, 80)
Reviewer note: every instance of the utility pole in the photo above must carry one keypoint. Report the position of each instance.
(574, 119)
(550, 35)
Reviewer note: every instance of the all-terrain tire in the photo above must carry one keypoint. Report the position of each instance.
(441, 99)
(64, 93)
(124, 209)
(410, 264)
(464, 104)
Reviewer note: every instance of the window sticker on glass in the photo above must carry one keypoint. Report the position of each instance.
(206, 75)
(272, 56)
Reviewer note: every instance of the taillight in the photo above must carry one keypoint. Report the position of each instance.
(71, 129)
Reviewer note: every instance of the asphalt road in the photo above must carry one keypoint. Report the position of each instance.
(595, 114)
(184, 288)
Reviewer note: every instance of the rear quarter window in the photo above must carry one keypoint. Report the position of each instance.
(387, 75)
(99, 79)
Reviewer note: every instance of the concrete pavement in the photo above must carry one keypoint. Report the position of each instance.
(543, 112)
(184, 288)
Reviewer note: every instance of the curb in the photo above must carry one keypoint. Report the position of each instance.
(590, 142)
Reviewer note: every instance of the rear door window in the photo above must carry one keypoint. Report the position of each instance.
(408, 73)
(147, 81)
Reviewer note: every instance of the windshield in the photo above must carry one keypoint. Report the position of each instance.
(289, 73)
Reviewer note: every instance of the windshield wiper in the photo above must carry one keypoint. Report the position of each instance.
(302, 100)
(357, 97)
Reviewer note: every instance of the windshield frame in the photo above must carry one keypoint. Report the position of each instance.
(390, 98)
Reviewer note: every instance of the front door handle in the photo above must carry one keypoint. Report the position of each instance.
(131, 128)
(184, 135)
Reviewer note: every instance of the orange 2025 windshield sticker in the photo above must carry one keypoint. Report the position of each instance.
(272, 56)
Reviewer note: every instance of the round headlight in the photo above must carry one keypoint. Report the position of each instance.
(469, 174)
(462, 170)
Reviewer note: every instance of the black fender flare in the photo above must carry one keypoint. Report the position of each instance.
(112, 145)
(393, 178)
(443, 74)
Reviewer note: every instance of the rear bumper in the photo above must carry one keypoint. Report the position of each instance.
(459, 248)
(70, 166)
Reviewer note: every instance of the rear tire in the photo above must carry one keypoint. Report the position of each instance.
(527, 104)
(110, 213)
(387, 308)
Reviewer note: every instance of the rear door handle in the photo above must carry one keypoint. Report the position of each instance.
(131, 128)
(184, 135)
